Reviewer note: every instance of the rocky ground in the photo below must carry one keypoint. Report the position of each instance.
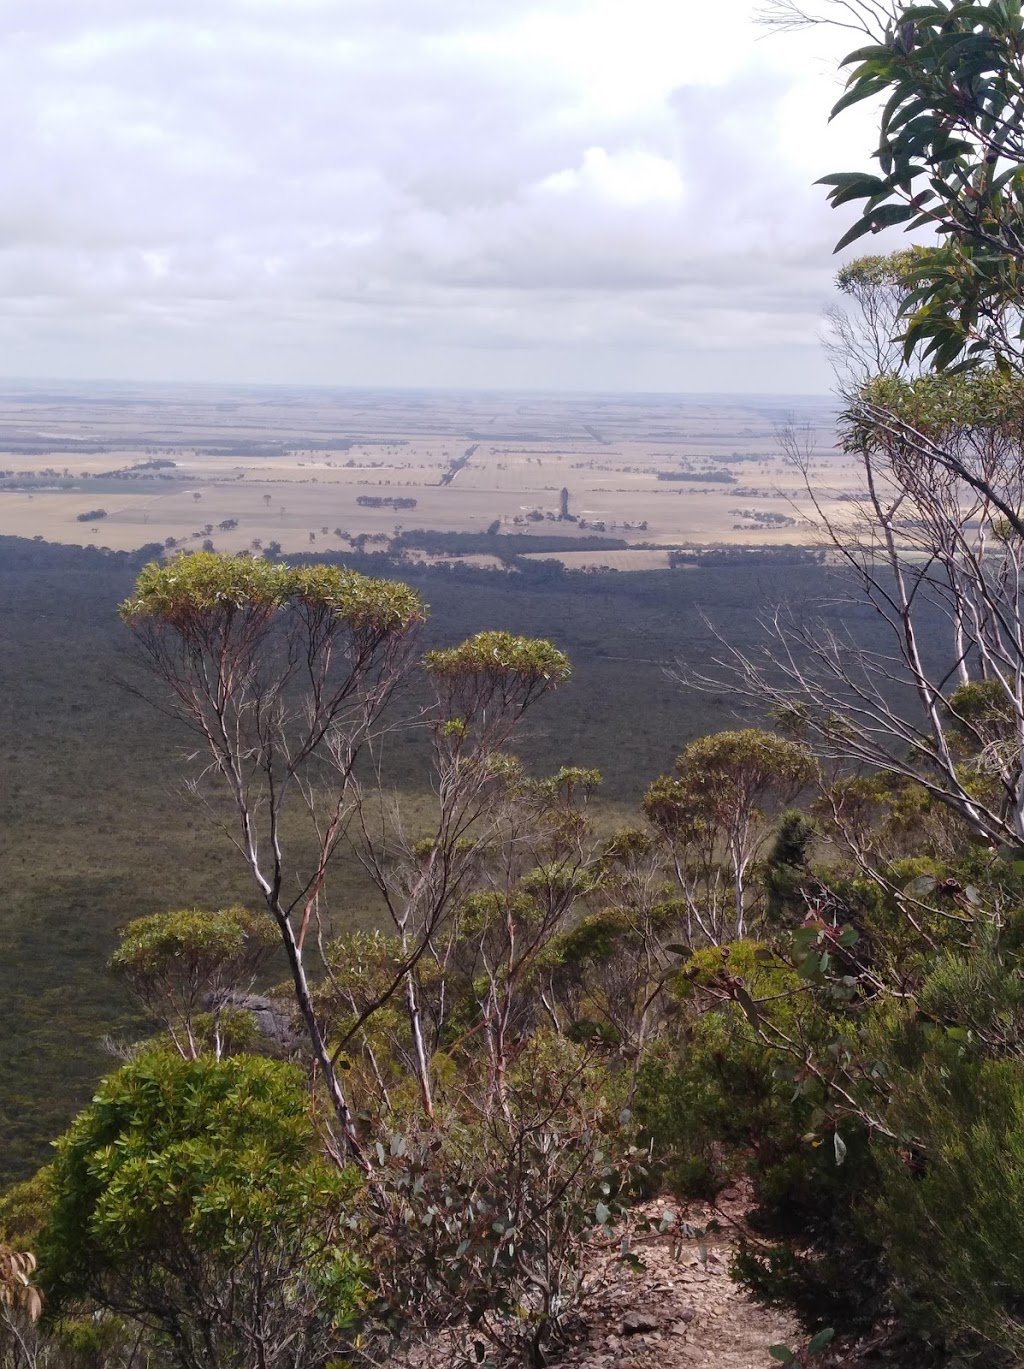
(681, 1309)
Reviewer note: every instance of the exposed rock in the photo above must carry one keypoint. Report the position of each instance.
(635, 1323)
(271, 1017)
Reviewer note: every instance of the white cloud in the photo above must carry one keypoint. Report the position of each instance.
(565, 192)
(631, 177)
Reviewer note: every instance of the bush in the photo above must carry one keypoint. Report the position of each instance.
(190, 1196)
(719, 1104)
(486, 1217)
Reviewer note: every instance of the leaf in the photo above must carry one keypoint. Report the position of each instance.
(840, 1148)
(863, 89)
(679, 948)
(820, 1340)
(748, 1005)
(603, 1214)
(920, 887)
(782, 1353)
(858, 230)
(887, 215)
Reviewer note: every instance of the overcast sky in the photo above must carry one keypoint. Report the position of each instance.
(568, 194)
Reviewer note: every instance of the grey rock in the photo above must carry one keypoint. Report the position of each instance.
(636, 1323)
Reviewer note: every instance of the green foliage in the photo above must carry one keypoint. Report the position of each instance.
(945, 408)
(76, 870)
(486, 1220)
(786, 874)
(23, 1209)
(196, 585)
(183, 1190)
(893, 271)
(950, 1213)
(726, 777)
(501, 656)
(949, 155)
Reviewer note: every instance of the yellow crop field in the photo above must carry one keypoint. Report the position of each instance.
(126, 466)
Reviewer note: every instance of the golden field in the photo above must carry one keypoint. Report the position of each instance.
(289, 466)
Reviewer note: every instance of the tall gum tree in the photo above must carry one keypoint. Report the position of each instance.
(285, 673)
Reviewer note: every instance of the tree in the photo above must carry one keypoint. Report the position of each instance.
(189, 1196)
(950, 152)
(185, 965)
(724, 788)
(863, 341)
(285, 674)
(929, 544)
(934, 539)
(482, 690)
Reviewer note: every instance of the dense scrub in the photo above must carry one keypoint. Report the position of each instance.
(98, 828)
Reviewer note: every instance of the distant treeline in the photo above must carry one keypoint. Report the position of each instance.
(699, 477)
(503, 545)
(746, 556)
(141, 470)
(379, 501)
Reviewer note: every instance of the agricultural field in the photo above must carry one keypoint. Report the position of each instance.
(126, 466)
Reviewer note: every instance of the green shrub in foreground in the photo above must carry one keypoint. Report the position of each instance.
(190, 1196)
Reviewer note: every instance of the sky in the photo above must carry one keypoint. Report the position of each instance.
(602, 195)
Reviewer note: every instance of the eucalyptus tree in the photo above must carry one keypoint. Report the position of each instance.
(933, 536)
(481, 691)
(929, 542)
(950, 77)
(716, 806)
(286, 674)
(185, 966)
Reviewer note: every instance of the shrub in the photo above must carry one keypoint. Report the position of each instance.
(190, 1196)
(486, 1217)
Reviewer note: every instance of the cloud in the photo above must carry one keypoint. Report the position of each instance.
(568, 193)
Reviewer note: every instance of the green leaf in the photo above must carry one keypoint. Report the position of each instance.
(862, 90)
(820, 1340)
(850, 180)
(858, 230)
(782, 1353)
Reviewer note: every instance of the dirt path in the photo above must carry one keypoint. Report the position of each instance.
(681, 1310)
